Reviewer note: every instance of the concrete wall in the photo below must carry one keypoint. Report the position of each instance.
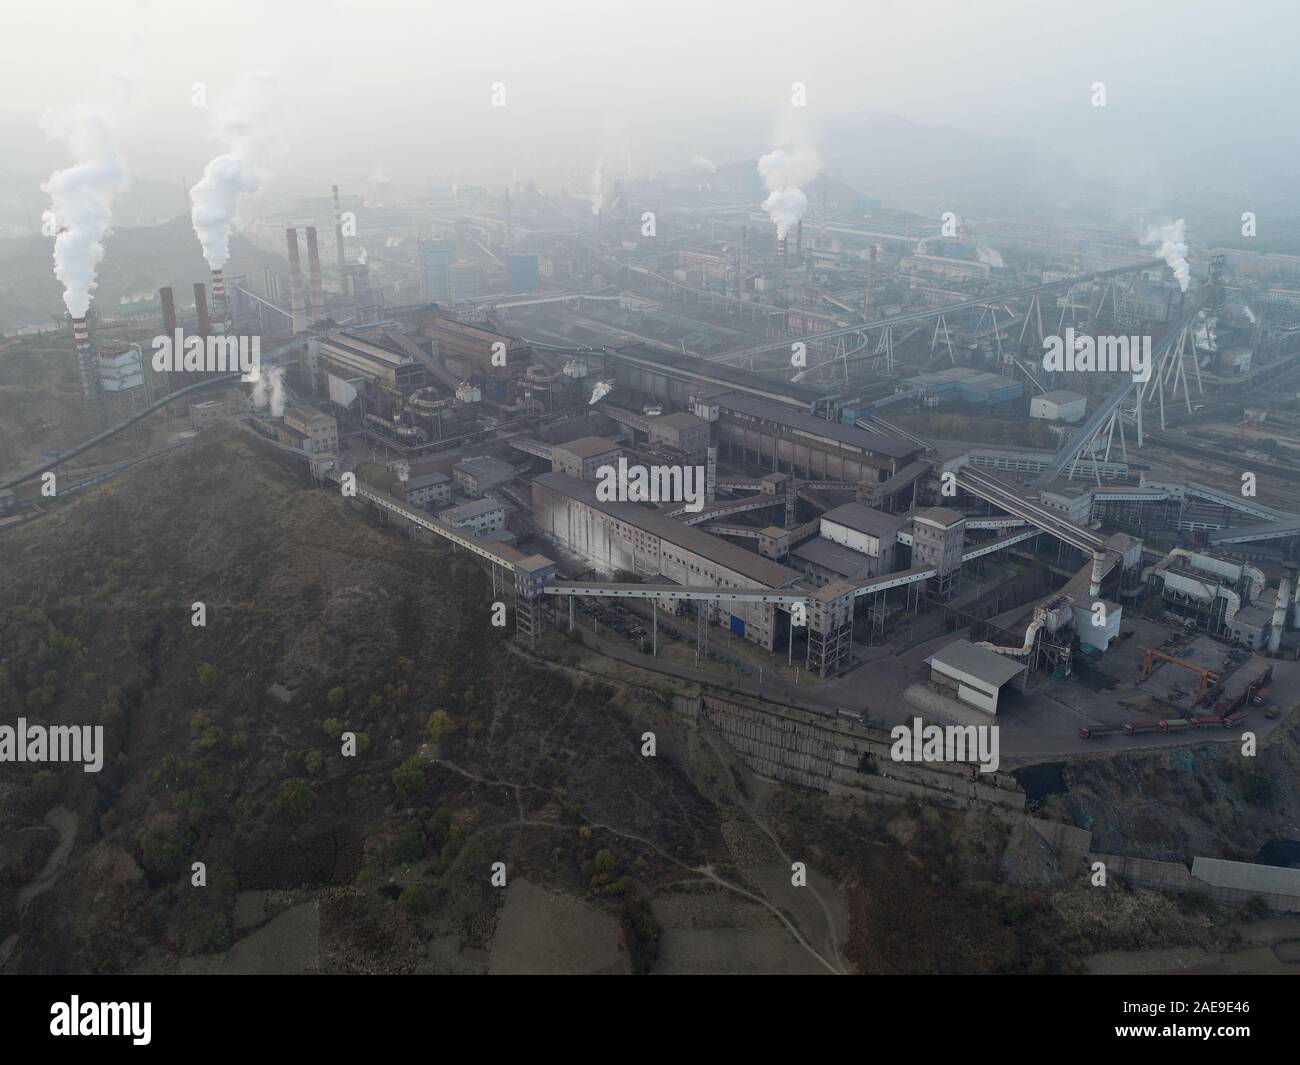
(1173, 876)
(788, 744)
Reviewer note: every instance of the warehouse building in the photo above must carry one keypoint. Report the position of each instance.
(374, 359)
(682, 430)
(629, 538)
(583, 458)
(871, 532)
(972, 675)
(316, 432)
(963, 384)
(1061, 405)
(477, 475)
(761, 433)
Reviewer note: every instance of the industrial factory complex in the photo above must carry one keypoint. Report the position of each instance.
(785, 457)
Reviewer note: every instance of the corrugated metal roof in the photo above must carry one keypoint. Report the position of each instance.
(872, 443)
(965, 657)
(866, 520)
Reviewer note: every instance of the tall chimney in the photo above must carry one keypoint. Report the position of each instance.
(744, 254)
(220, 305)
(869, 301)
(295, 281)
(1098, 566)
(338, 239)
(1279, 616)
(1293, 608)
(316, 295)
(201, 308)
(85, 358)
(168, 302)
(798, 242)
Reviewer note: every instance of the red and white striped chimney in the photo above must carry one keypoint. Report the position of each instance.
(295, 281)
(220, 308)
(315, 294)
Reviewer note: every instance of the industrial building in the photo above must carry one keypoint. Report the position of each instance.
(755, 432)
(972, 675)
(479, 474)
(584, 457)
(479, 516)
(628, 538)
(1060, 405)
(682, 430)
(964, 384)
(312, 430)
(428, 489)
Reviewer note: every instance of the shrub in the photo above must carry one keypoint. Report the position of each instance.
(312, 762)
(297, 796)
(408, 779)
(440, 724)
(416, 901)
(333, 727)
(207, 674)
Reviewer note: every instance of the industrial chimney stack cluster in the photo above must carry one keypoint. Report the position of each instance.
(295, 281)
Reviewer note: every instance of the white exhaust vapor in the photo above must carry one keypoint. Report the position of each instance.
(701, 162)
(784, 169)
(600, 391)
(597, 194)
(1173, 249)
(268, 391)
(215, 199)
(81, 198)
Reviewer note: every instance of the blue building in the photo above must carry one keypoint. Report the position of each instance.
(435, 257)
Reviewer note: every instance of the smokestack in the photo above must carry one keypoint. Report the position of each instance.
(338, 237)
(85, 358)
(220, 305)
(1098, 565)
(869, 301)
(295, 280)
(201, 309)
(168, 302)
(1289, 571)
(1279, 616)
(744, 255)
(798, 241)
(710, 473)
(316, 295)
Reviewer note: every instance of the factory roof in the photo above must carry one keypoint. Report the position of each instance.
(473, 509)
(424, 480)
(762, 571)
(485, 466)
(587, 447)
(865, 519)
(965, 657)
(1062, 395)
(807, 425)
(682, 419)
(369, 348)
(833, 557)
(944, 516)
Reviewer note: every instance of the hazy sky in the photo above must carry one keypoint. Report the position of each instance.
(364, 83)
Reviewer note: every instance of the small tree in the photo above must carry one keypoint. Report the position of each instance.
(416, 900)
(312, 762)
(440, 724)
(408, 779)
(333, 727)
(335, 696)
(207, 674)
(296, 794)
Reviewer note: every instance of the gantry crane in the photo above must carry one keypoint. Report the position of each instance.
(1149, 655)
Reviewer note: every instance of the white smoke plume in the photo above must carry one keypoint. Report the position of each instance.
(1249, 313)
(403, 471)
(215, 199)
(991, 256)
(597, 193)
(268, 391)
(378, 175)
(81, 198)
(600, 391)
(701, 162)
(1173, 249)
(784, 170)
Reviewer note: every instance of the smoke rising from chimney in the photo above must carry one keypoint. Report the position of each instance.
(268, 391)
(702, 162)
(1173, 249)
(215, 199)
(791, 164)
(600, 391)
(81, 198)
